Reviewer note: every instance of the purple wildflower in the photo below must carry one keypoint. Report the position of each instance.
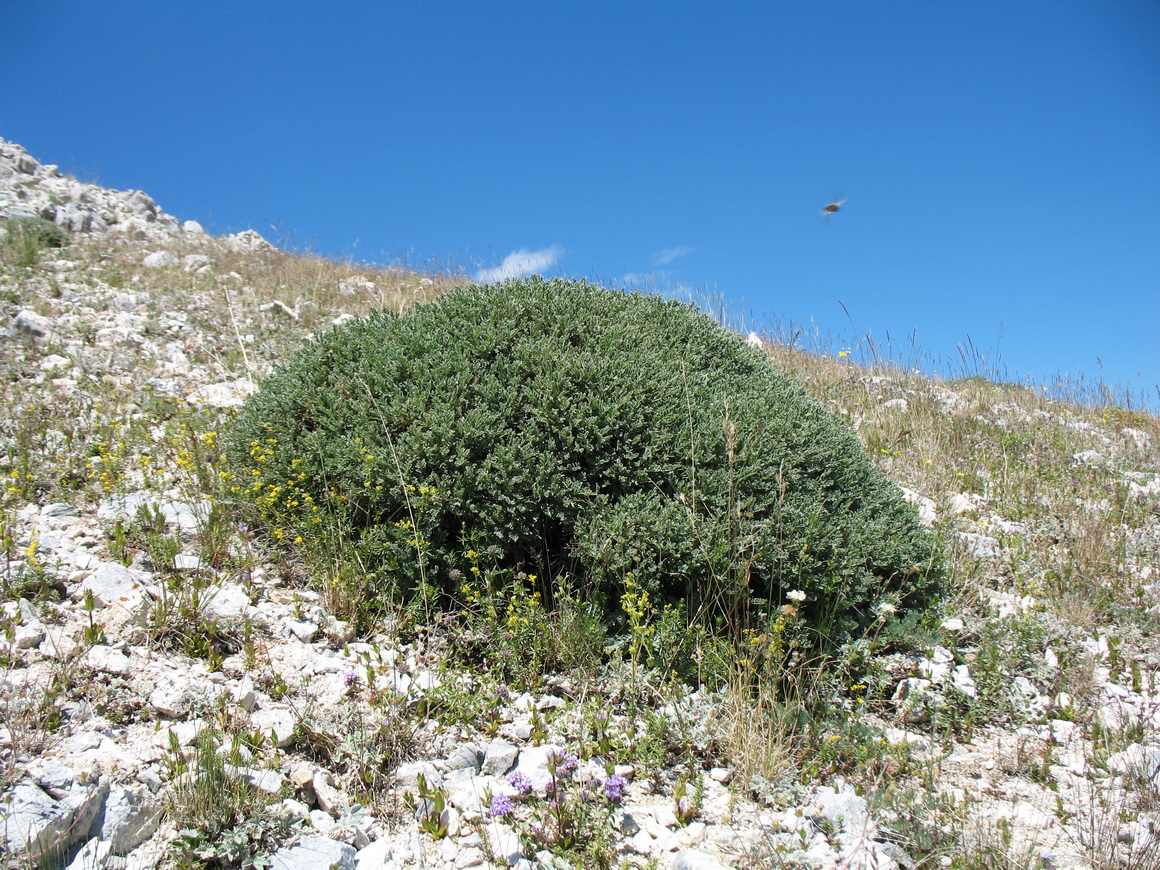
(501, 805)
(560, 761)
(350, 678)
(520, 781)
(614, 787)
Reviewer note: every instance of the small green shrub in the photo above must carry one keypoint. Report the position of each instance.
(579, 432)
(222, 820)
(26, 237)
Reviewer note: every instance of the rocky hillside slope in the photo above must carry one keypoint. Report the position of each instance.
(178, 690)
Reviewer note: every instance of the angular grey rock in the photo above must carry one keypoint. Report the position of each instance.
(228, 395)
(30, 633)
(243, 692)
(187, 518)
(35, 825)
(500, 758)
(407, 775)
(927, 507)
(131, 817)
(160, 260)
(691, 859)
(1137, 761)
(248, 241)
(93, 855)
(114, 585)
(961, 503)
(330, 799)
(269, 781)
(466, 756)
(108, 660)
(377, 856)
(189, 562)
(315, 853)
(276, 721)
(52, 776)
(78, 218)
(1089, 457)
(177, 694)
(303, 629)
(195, 262)
(36, 325)
(845, 810)
(533, 763)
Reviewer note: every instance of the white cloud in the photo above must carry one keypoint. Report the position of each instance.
(520, 263)
(662, 258)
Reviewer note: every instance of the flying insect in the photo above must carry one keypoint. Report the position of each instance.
(833, 207)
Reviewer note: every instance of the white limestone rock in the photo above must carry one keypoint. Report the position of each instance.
(186, 517)
(248, 241)
(1137, 761)
(407, 775)
(93, 855)
(692, 859)
(315, 853)
(962, 503)
(160, 260)
(36, 325)
(278, 722)
(226, 395)
(927, 507)
(269, 781)
(229, 601)
(377, 855)
(115, 586)
(108, 660)
(330, 799)
(131, 816)
(176, 694)
(499, 758)
(34, 824)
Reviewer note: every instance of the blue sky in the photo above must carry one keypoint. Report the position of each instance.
(1000, 161)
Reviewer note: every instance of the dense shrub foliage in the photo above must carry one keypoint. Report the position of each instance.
(568, 430)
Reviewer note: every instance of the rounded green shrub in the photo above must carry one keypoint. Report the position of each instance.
(565, 429)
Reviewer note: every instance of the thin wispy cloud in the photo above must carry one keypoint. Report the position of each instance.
(663, 258)
(520, 263)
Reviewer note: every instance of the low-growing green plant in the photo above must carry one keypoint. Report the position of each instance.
(687, 807)
(26, 237)
(430, 807)
(222, 820)
(359, 744)
(581, 432)
(24, 573)
(503, 625)
(181, 618)
(571, 819)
